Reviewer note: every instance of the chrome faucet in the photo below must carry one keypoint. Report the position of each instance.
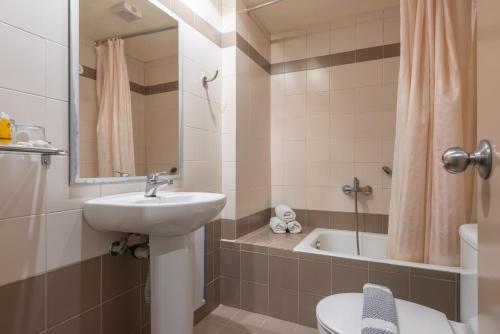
(153, 182)
(355, 188)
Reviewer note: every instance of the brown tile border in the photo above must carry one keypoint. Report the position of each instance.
(165, 87)
(89, 72)
(337, 59)
(71, 299)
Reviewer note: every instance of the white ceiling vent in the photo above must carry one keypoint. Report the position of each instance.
(126, 11)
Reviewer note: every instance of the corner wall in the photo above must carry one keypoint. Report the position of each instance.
(333, 106)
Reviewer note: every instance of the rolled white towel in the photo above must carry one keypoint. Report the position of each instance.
(285, 213)
(294, 227)
(277, 225)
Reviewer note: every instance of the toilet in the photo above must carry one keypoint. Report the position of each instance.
(341, 313)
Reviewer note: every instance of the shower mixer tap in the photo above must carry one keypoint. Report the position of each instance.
(355, 188)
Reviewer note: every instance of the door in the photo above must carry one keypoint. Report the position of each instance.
(488, 191)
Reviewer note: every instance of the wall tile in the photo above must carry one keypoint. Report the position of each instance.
(295, 83)
(283, 304)
(119, 274)
(369, 34)
(254, 297)
(23, 246)
(307, 308)
(254, 267)
(391, 70)
(57, 124)
(391, 30)
(230, 263)
(348, 279)
(26, 197)
(25, 296)
(22, 71)
(315, 277)
(70, 239)
(88, 322)
(56, 80)
(398, 283)
(318, 42)
(230, 292)
(343, 39)
(437, 294)
(318, 80)
(73, 290)
(122, 315)
(283, 272)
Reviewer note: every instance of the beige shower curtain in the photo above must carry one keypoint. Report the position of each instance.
(435, 111)
(115, 145)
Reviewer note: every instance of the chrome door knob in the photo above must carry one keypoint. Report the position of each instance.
(455, 160)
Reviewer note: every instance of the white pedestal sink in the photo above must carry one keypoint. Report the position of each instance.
(169, 220)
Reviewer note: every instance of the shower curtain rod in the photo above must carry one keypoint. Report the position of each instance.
(262, 5)
(136, 34)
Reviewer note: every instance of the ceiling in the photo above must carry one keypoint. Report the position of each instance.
(97, 21)
(289, 15)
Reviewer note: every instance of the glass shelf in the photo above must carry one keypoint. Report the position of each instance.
(45, 152)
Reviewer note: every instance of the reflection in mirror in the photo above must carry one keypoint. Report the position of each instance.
(128, 107)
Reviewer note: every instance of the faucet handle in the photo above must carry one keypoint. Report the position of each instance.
(155, 175)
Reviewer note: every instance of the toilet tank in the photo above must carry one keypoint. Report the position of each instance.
(468, 277)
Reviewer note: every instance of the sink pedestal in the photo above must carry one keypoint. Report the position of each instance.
(171, 266)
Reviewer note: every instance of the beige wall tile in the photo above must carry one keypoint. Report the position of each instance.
(369, 34)
(23, 246)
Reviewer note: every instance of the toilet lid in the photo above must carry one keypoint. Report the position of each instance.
(341, 314)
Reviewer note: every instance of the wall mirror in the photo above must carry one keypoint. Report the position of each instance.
(125, 112)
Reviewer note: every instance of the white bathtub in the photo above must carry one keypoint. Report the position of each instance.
(340, 243)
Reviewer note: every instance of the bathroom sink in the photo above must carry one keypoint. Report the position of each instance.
(167, 214)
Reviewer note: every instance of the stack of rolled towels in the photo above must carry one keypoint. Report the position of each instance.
(285, 220)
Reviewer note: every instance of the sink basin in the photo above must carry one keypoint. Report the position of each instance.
(167, 214)
(168, 218)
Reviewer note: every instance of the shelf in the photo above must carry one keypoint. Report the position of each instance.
(45, 153)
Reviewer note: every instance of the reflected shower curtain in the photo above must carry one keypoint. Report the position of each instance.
(115, 145)
(435, 111)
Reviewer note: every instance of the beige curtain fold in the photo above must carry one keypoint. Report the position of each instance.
(115, 145)
(436, 110)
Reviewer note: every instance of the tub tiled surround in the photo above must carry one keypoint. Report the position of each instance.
(333, 103)
(261, 273)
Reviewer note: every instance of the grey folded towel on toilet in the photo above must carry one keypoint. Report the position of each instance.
(379, 311)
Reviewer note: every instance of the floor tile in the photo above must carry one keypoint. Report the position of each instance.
(248, 321)
(277, 326)
(305, 330)
(208, 326)
(224, 313)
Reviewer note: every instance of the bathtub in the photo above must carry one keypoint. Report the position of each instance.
(341, 243)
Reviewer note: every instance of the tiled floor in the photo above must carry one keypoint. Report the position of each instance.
(228, 320)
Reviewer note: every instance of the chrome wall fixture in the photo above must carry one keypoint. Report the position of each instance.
(387, 170)
(206, 80)
(455, 160)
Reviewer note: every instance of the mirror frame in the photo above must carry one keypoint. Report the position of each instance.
(74, 102)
